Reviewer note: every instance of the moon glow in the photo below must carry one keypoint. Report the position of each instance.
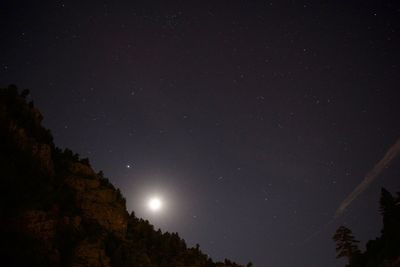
(154, 204)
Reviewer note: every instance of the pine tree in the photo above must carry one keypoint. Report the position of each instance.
(346, 245)
(388, 211)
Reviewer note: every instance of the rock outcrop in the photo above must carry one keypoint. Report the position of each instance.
(57, 211)
(97, 202)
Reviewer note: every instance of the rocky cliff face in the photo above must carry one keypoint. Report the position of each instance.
(57, 211)
(97, 201)
(75, 199)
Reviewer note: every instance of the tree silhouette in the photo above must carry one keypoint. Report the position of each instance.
(383, 251)
(346, 245)
(25, 93)
(390, 210)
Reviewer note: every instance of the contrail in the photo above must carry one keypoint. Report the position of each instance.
(390, 155)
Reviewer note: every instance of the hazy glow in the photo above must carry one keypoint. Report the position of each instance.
(154, 204)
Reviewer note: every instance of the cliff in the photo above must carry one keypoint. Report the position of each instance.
(57, 211)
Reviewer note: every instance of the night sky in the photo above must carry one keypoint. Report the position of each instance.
(251, 120)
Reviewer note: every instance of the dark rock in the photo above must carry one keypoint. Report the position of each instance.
(56, 211)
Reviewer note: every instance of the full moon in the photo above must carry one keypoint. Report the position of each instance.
(154, 204)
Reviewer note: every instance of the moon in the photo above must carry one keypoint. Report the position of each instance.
(155, 204)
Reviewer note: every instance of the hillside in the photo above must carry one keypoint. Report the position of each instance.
(57, 211)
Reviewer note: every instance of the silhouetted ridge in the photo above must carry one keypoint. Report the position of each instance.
(57, 211)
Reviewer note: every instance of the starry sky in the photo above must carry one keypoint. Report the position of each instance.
(252, 120)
